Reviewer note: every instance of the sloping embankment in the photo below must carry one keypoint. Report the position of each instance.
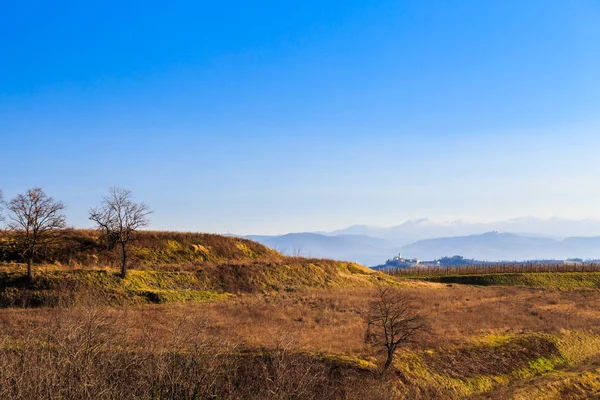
(59, 286)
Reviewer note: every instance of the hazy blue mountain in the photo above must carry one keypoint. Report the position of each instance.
(495, 246)
(488, 246)
(421, 229)
(529, 238)
(582, 247)
(360, 248)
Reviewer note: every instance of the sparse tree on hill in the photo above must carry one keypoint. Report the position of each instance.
(36, 219)
(392, 322)
(119, 219)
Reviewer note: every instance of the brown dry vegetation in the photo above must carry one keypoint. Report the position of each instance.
(307, 344)
(165, 267)
(161, 352)
(330, 321)
(152, 250)
(273, 327)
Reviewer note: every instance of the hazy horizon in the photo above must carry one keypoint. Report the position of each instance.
(261, 118)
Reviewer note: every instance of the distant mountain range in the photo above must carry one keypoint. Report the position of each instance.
(529, 238)
(495, 246)
(420, 229)
(360, 248)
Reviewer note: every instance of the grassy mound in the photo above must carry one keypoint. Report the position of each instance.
(83, 248)
(59, 286)
(555, 280)
(166, 266)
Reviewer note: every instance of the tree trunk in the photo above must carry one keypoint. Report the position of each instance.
(389, 361)
(123, 261)
(29, 272)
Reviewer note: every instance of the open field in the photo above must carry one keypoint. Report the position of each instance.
(482, 341)
(330, 320)
(264, 326)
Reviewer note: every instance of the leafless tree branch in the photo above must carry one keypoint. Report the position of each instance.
(36, 218)
(119, 219)
(392, 322)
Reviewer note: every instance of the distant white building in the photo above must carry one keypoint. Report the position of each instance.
(399, 260)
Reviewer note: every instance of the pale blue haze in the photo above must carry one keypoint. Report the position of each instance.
(275, 116)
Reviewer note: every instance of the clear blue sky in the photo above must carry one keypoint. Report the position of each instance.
(276, 116)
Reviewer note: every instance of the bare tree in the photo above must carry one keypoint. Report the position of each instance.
(36, 218)
(392, 322)
(119, 219)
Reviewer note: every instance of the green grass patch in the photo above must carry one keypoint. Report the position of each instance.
(58, 287)
(554, 280)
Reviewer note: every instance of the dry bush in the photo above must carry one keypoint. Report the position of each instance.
(85, 353)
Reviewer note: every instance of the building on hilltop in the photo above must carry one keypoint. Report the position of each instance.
(400, 262)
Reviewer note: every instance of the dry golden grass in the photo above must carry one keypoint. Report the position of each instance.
(160, 352)
(330, 320)
(57, 286)
(480, 342)
(79, 248)
(239, 321)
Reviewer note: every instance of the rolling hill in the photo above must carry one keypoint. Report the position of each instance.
(165, 267)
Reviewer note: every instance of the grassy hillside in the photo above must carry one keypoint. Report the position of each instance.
(167, 267)
(52, 286)
(550, 280)
(497, 361)
(83, 248)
